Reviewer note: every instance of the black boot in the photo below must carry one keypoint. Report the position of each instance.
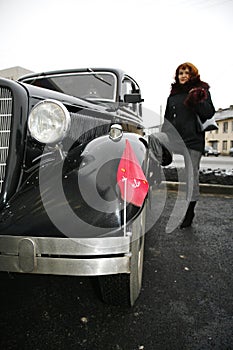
(188, 219)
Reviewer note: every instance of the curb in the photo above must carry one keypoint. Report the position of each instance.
(204, 188)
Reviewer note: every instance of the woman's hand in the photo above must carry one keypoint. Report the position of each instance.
(196, 95)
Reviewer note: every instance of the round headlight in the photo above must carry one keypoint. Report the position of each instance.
(116, 132)
(49, 121)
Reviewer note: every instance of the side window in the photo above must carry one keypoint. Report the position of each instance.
(129, 87)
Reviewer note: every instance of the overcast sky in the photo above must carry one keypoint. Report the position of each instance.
(146, 38)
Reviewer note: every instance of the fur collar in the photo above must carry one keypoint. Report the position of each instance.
(177, 88)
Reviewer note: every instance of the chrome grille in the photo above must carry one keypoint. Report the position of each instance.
(5, 127)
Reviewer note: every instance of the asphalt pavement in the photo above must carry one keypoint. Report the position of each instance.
(186, 302)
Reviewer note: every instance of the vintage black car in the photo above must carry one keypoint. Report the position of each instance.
(62, 137)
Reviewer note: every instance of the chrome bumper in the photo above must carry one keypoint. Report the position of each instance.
(65, 256)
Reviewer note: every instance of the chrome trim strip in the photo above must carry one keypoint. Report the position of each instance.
(78, 257)
(6, 104)
(72, 267)
(68, 246)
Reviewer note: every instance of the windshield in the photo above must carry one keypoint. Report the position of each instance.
(87, 85)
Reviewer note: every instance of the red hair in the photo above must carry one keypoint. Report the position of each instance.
(193, 71)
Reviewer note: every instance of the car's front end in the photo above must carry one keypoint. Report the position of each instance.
(62, 210)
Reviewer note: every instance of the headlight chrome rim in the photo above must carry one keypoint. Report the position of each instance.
(42, 119)
(116, 132)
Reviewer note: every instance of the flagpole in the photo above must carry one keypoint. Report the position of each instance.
(125, 180)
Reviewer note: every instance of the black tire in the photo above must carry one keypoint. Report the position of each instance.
(124, 289)
(114, 289)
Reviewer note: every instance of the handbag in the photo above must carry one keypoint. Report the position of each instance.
(208, 125)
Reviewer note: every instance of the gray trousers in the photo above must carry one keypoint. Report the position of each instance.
(192, 160)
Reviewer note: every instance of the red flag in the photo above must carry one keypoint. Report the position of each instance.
(130, 177)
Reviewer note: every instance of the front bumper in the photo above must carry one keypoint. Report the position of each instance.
(65, 256)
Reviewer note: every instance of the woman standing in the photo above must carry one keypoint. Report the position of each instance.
(181, 133)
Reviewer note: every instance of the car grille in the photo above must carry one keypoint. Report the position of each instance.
(5, 127)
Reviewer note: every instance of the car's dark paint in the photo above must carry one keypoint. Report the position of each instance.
(22, 208)
(83, 171)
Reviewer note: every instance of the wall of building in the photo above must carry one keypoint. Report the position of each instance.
(14, 73)
(222, 139)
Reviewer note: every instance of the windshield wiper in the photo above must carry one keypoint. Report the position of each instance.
(97, 76)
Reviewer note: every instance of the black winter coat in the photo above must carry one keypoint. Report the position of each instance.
(184, 118)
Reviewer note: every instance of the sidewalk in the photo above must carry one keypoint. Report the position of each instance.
(204, 188)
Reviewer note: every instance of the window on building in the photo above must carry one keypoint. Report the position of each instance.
(215, 145)
(231, 143)
(224, 145)
(225, 127)
(232, 126)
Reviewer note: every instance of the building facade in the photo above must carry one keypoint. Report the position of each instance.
(14, 73)
(222, 139)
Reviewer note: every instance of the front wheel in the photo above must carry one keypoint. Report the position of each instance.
(124, 289)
